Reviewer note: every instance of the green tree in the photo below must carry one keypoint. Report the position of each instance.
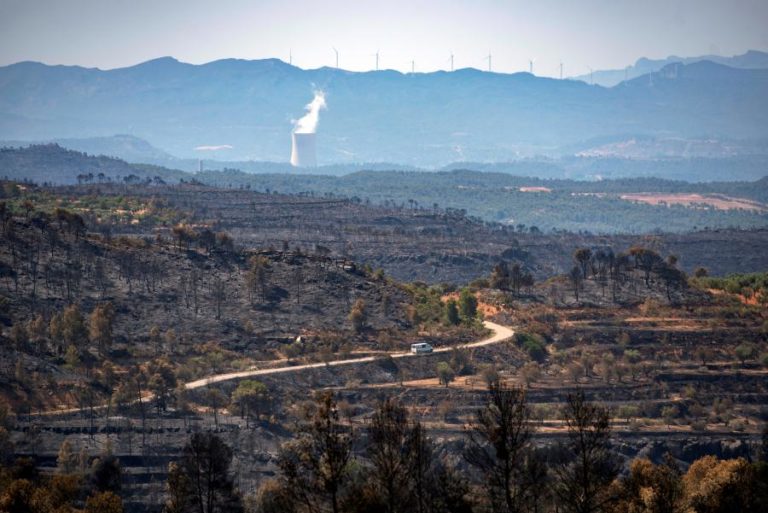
(452, 313)
(252, 398)
(745, 351)
(161, 381)
(445, 373)
(632, 355)
(467, 305)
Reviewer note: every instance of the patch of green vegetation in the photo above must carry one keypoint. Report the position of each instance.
(594, 206)
(427, 303)
(100, 209)
(748, 285)
(533, 345)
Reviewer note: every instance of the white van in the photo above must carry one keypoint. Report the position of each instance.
(421, 347)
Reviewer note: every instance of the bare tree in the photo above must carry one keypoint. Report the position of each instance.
(388, 440)
(583, 257)
(576, 278)
(201, 482)
(499, 447)
(315, 467)
(219, 294)
(586, 466)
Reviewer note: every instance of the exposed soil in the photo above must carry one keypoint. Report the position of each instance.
(717, 201)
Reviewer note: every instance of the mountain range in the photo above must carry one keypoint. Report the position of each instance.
(421, 119)
(752, 59)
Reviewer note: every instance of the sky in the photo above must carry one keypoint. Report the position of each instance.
(602, 34)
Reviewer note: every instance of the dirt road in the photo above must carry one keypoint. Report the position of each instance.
(501, 333)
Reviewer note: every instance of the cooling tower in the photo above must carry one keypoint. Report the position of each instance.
(303, 150)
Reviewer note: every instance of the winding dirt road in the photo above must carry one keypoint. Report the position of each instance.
(500, 334)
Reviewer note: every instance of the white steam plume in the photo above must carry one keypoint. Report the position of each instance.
(308, 123)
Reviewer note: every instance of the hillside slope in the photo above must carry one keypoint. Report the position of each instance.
(207, 306)
(50, 163)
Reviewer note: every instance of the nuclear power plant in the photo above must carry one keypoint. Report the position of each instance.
(303, 137)
(303, 151)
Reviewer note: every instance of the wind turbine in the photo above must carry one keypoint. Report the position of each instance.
(290, 56)
(490, 61)
(413, 66)
(337, 56)
(561, 70)
(591, 75)
(377, 60)
(451, 61)
(530, 64)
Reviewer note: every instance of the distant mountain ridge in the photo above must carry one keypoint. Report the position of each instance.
(53, 164)
(752, 59)
(122, 146)
(617, 158)
(50, 163)
(425, 120)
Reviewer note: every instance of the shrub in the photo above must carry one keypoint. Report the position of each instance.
(744, 351)
(445, 373)
(533, 345)
(632, 355)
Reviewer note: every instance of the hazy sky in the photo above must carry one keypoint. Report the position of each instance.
(598, 33)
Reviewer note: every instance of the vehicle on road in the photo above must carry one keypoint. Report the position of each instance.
(421, 347)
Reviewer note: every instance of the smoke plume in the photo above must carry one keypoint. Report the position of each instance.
(308, 123)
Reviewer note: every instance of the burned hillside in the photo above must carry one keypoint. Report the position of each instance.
(73, 300)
